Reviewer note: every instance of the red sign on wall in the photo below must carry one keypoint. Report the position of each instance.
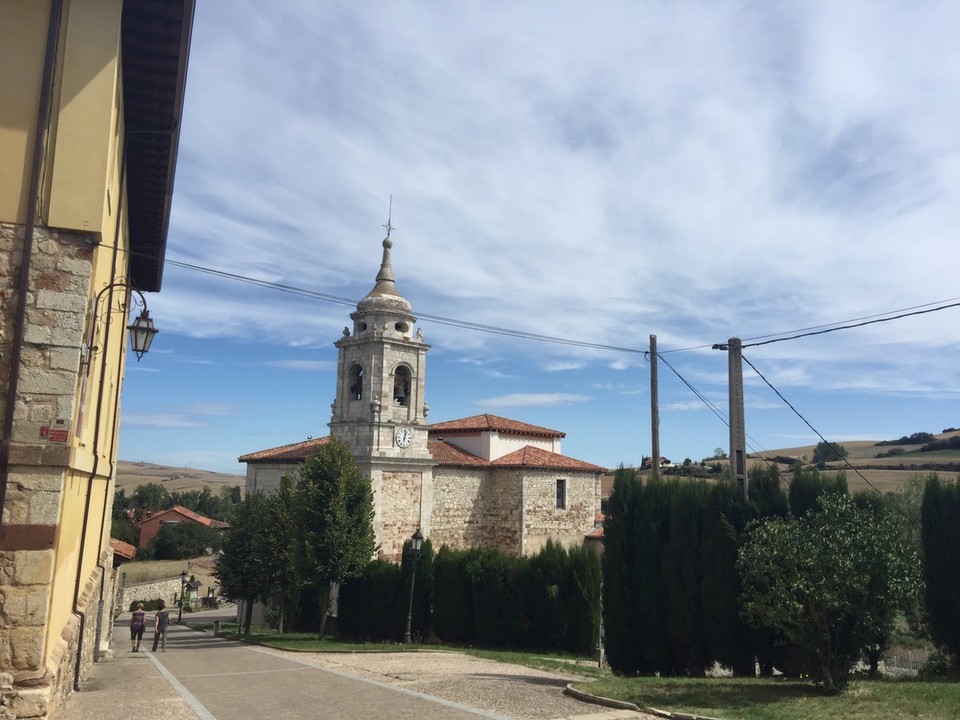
(59, 432)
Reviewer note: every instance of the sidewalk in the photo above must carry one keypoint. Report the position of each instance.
(202, 676)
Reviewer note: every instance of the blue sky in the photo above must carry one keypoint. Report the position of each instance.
(592, 171)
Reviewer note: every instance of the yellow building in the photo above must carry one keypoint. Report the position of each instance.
(90, 105)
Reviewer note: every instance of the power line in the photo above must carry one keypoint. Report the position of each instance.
(713, 408)
(524, 335)
(807, 423)
(852, 325)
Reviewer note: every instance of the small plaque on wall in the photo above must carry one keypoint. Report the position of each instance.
(58, 432)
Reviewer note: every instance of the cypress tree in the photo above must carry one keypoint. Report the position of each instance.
(682, 574)
(940, 535)
(623, 640)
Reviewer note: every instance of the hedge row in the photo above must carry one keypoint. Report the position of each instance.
(482, 597)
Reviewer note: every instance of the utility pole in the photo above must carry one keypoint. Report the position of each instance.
(654, 409)
(738, 442)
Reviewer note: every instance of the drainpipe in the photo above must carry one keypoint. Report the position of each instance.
(19, 322)
(96, 441)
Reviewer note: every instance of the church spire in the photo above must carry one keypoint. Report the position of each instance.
(384, 296)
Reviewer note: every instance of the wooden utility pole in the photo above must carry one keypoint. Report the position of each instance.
(738, 443)
(654, 409)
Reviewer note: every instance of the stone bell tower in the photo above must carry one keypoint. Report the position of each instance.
(380, 410)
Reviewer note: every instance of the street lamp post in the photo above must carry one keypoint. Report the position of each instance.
(415, 542)
(183, 585)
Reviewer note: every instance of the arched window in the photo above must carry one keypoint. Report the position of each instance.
(355, 382)
(401, 386)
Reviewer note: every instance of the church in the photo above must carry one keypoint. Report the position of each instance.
(481, 481)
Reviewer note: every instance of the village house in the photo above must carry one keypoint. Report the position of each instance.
(90, 106)
(481, 481)
(151, 523)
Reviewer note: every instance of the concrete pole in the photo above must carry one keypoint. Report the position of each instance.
(654, 409)
(738, 443)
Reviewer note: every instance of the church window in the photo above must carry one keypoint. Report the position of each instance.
(355, 382)
(401, 386)
(561, 494)
(401, 327)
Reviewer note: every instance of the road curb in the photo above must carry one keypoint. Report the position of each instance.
(599, 700)
(623, 705)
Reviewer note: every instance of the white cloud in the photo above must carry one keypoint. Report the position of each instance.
(307, 365)
(519, 400)
(163, 420)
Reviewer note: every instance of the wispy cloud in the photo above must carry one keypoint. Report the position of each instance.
(164, 420)
(305, 365)
(519, 400)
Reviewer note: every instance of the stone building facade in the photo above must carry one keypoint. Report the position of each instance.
(484, 481)
(83, 219)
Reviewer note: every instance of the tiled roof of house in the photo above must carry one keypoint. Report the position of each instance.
(452, 456)
(595, 534)
(534, 457)
(123, 549)
(190, 515)
(449, 455)
(480, 423)
(293, 453)
(198, 518)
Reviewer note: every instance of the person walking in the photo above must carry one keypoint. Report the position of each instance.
(160, 623)
(138, 622)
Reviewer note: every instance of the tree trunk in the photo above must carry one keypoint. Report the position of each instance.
(825, 672)
(247, 616)
(324, 609)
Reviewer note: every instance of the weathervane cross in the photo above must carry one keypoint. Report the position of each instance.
(389, 225)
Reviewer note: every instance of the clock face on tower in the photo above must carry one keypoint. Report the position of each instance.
(403, 436)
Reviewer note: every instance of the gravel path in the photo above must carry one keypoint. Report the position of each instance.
(512, 690)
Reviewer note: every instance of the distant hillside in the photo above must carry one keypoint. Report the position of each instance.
(132, 474)
(888, 473)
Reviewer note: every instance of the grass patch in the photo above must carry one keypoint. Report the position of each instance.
(766, 699)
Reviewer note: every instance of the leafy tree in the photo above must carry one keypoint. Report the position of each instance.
(828, 452)
(940, 530)
(121, 527)
(177, 541)
(151, 496)
(829, 581)
(243, 568)
(808, 484)
(335, 517)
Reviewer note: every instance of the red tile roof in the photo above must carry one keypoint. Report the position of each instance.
(452, 456)
(534, 457)
(595, 534)
(198, 518)
(293, 453)
(123, 549)
(190, 515)
(481, 423)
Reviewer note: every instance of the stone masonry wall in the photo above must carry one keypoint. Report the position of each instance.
(166, 590)
(542, 519)
(473, 508)
(400, 511)
(32, 676)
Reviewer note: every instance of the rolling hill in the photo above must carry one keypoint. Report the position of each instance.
(132, 474)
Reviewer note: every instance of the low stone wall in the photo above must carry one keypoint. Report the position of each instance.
(167, 590)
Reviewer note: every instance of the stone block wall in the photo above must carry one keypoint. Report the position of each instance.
(167, 590)
(475, 508)
(399, 511)
(542, 518)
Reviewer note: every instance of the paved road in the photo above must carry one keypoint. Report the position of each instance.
(200, 676)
